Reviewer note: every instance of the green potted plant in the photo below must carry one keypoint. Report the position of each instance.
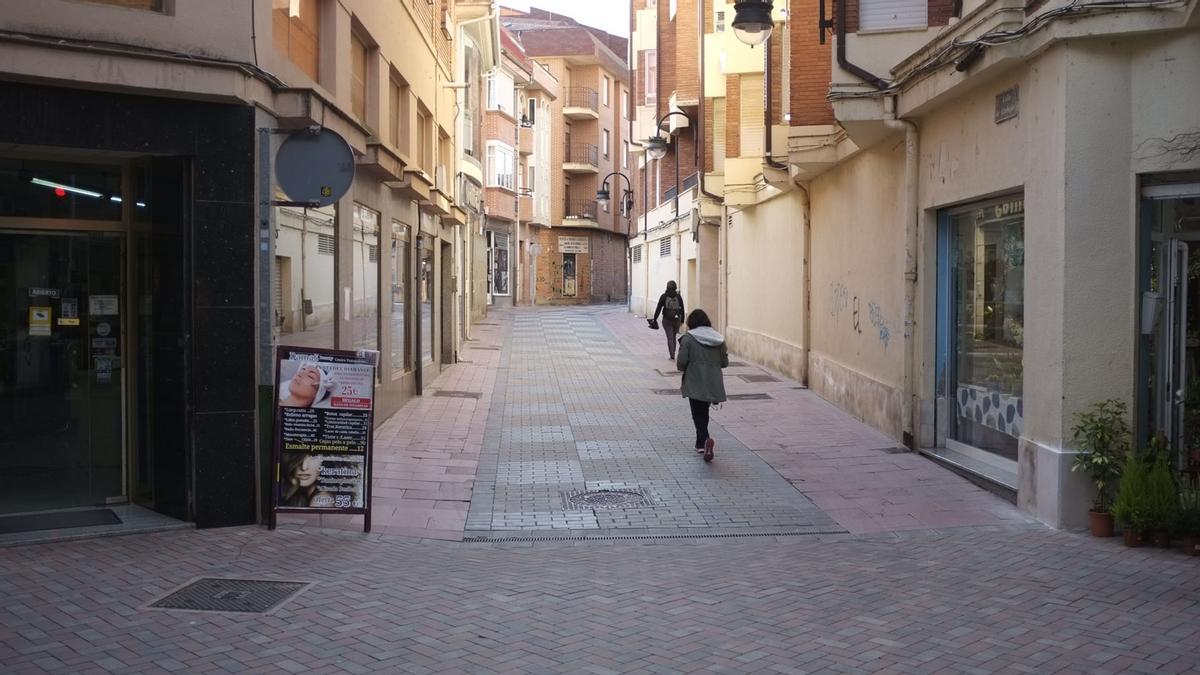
(1102, 436)
(1162, 500)
(1188, 520)
(1131, 507)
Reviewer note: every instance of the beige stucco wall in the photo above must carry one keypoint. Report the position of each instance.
(765, 264)
(857, 359)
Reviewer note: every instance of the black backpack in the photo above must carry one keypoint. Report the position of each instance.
(673, 309)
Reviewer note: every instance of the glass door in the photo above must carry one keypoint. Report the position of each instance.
(61, 370)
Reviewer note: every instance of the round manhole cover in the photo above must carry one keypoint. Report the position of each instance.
(607, 499)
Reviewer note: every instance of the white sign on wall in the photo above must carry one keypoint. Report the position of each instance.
(572, 244)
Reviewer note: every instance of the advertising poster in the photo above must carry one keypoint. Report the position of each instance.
(323, 422)
(39, 321)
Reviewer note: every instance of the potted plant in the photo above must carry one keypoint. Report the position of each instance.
(1188, 519)
(1162, 500)
(1131, 507)
(1102, 436)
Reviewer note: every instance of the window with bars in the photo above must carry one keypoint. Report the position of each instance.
(664, 247)
(372, 253)
(637, 253)
(325, 244)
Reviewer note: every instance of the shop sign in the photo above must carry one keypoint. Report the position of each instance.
(1007, 104)
(324, 416)
(103, 305)
(68, 312)
(572, 244)
(43, 292)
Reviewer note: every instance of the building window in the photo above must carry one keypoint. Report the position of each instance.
(650, 86)
(625, 156)
(981, 315)
(532, 115)
(425, 287)
(425, 141)
(398, 112)
(471, 130)
(637, 253)
(358, 77)
(664, 247)
(606, 141)
(325, 244)
(500, 160)
(626, 113)
(606, 85)
(892, 14)
(296, 31)
(500, 92)
(672, 8)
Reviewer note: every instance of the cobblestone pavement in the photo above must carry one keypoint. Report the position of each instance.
(963, 584)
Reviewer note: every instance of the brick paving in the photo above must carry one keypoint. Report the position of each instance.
(567, 405)
(858, 476)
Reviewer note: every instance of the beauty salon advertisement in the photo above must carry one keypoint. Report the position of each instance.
(323, 422)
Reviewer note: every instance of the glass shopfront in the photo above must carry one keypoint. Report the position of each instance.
(981, 317)
(401, 359)
(425, 289)
(366, 278)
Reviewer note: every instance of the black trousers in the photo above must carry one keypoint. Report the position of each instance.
(672, 332)
(700, 419)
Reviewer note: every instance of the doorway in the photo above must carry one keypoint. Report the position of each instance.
(570, 287)
(448, 297)
(62, 370)
(1169, 396)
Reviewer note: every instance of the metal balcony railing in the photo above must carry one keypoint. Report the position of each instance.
(583, 97)
(583, 153)
(581, 209)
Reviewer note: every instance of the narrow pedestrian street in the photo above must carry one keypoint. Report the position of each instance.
(809, 545)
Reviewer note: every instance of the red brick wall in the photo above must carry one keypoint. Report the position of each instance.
(811, 64)
(733, 121)
(600, 273)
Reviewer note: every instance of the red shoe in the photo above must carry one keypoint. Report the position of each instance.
(709, 447)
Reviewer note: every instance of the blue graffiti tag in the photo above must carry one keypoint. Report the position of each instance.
(881, 324)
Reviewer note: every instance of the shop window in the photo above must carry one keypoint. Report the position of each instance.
(365, 285)
(40, 189)
(982, 321)
(148, 5)
(305, 304)
(401, 250)
(296, 31)
(426, 289)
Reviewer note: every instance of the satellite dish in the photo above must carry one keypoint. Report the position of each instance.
(315, 166)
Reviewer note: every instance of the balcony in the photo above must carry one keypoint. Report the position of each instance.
(580, 209)
(525, 207)
(581, 103)
(525, 140)
(582, 158)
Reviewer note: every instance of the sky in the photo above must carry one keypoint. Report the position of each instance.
(608, 15)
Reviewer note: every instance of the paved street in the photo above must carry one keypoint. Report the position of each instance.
(809, 545)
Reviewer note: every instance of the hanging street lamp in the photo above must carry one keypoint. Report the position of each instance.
(752, 23)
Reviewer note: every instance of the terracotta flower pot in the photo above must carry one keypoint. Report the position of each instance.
(1161, 538)
(1101, 523)
(1191, 545)
(1134, 537)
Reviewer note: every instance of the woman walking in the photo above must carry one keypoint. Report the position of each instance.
(702, 355)
(670, 305)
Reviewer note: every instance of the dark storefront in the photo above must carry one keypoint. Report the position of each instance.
(127, 320)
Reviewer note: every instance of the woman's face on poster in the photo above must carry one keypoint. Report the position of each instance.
(305, 383)
(308, 471)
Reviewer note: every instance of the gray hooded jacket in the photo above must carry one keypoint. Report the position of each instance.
(702, 355)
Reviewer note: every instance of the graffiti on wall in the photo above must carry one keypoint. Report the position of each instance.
(880, 323)
(842, 302)
(839, 298)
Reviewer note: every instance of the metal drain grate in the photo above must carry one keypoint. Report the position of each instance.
(451, 393)
(483, 347)
(900, 450)
(665, 392)
(246, 596)
(748, 397)
(759, 378)
(623, 498)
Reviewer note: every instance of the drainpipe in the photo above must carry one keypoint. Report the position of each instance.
(806, 331)
(768, 159)
(699, 137)
(843, 62)
(911, 221)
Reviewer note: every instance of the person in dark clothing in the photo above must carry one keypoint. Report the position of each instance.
(702, 356)
(670, 305)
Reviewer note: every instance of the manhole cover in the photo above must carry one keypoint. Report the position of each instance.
(759, 378)
(450, 393)
(748, 397)
(606, 499)
(231, 595)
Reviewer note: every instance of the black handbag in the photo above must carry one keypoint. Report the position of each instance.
(653, 324)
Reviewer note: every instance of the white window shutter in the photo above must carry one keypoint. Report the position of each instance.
(884, 14)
